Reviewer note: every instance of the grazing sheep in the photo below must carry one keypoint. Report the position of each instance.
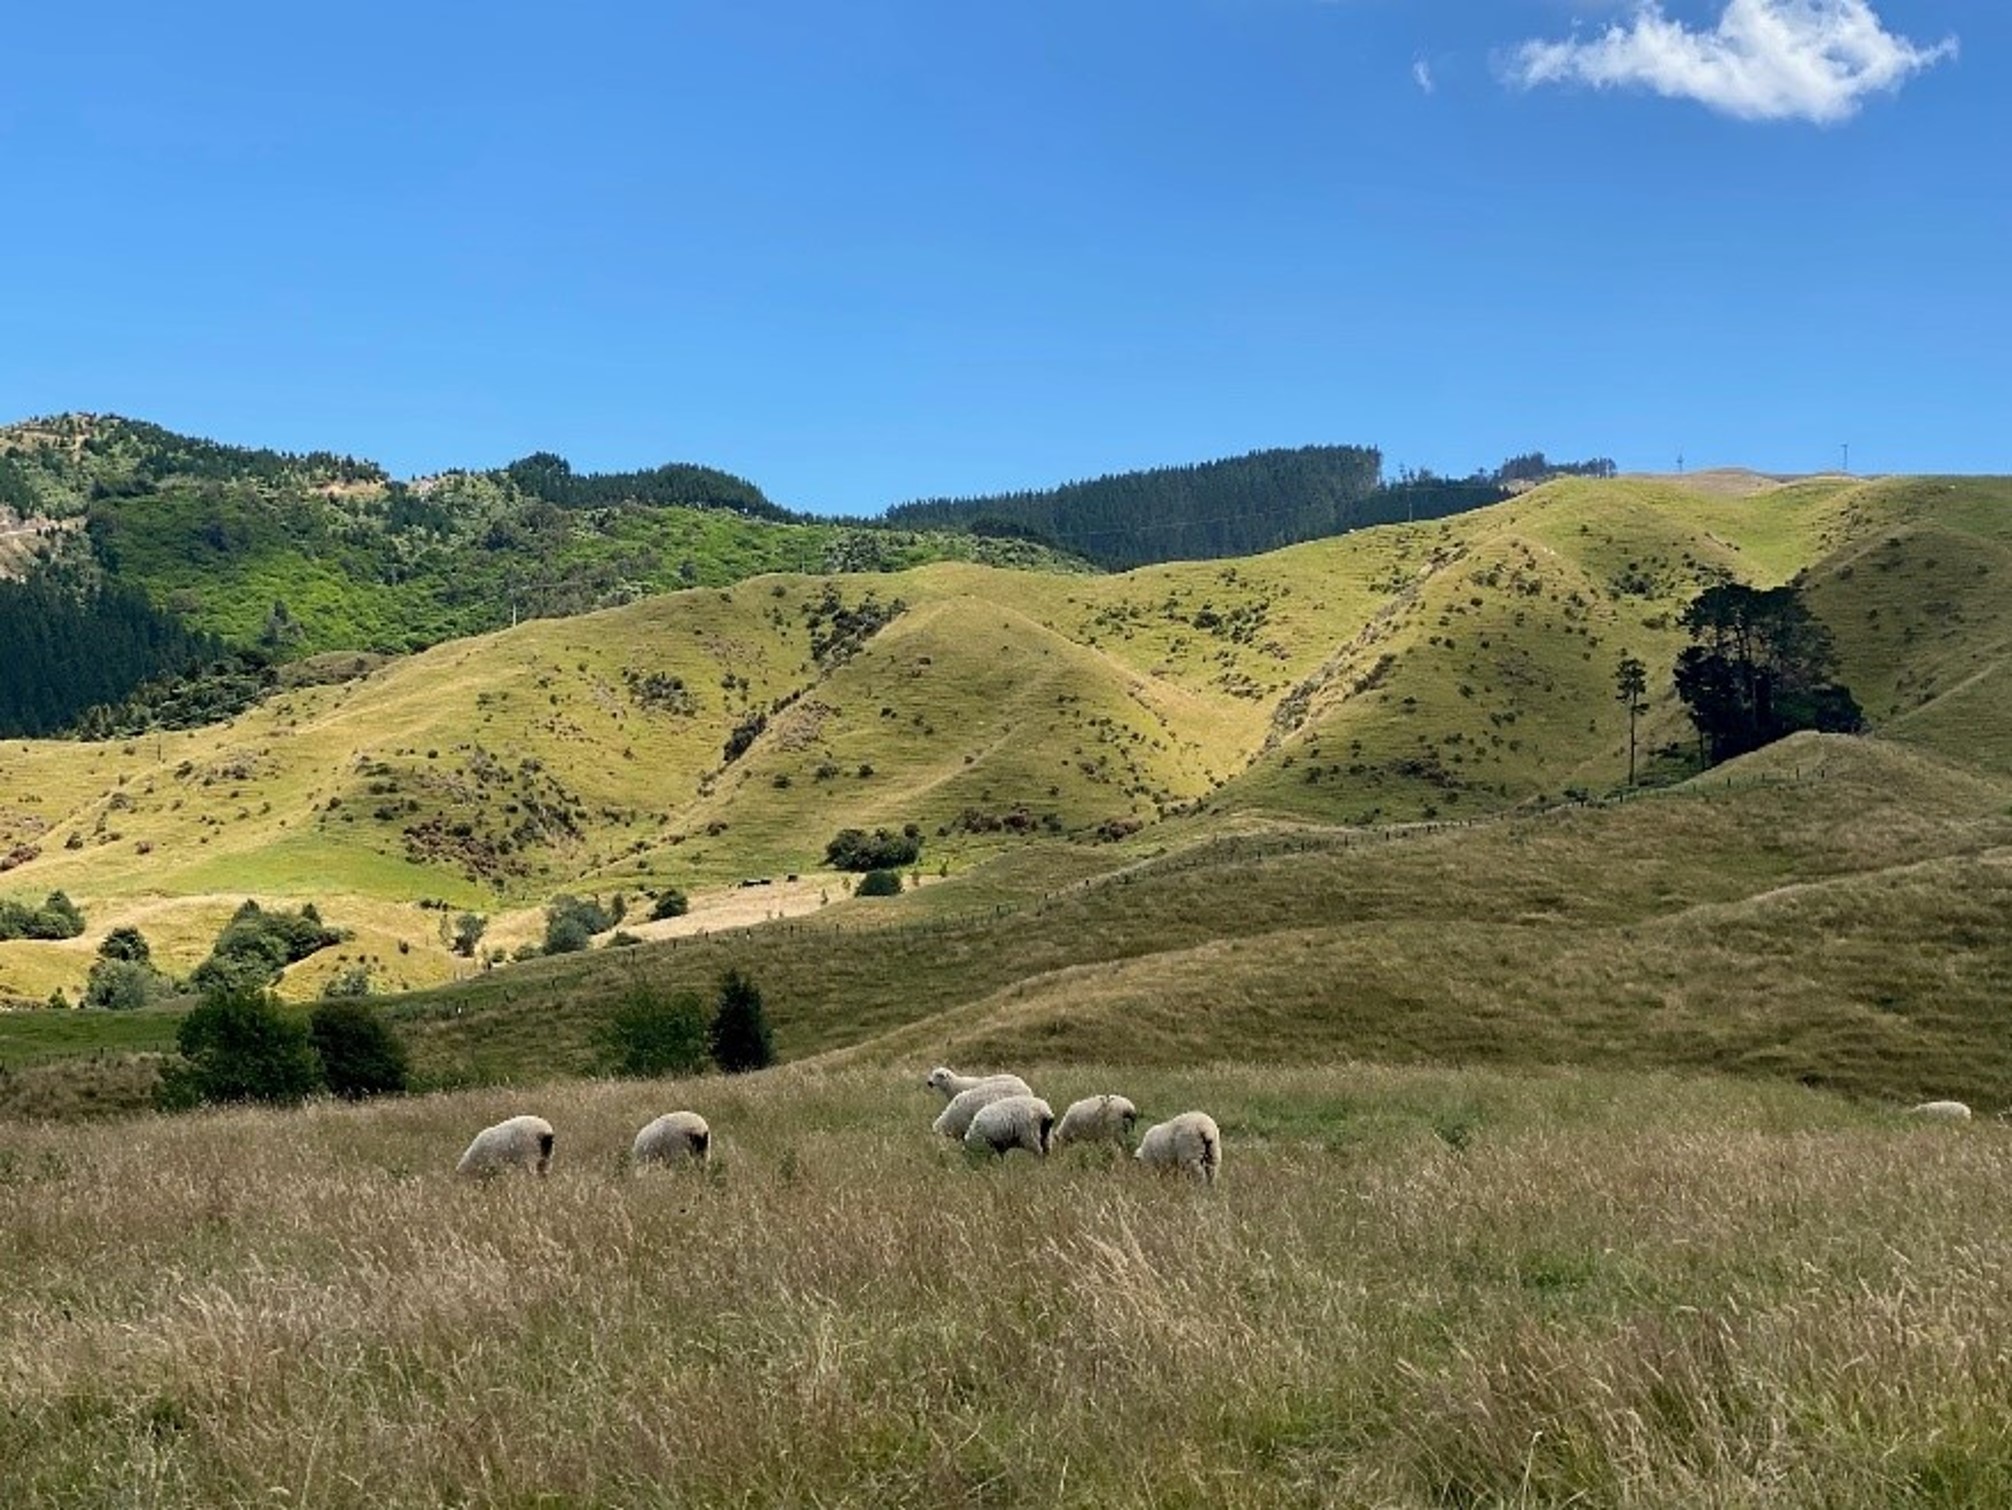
(949, 1084)
(1190, 1142)
(1097, 1119)
(674, 1138)
(955, 1119)
(523, 1142)
(1940, 1111)
(1012, 1122)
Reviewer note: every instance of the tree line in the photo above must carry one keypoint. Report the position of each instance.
(1234, 507)
(1760, 666)
(69, 644)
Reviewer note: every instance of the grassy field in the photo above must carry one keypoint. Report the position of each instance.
(1410, 1287)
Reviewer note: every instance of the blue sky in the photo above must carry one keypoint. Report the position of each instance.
(905, 248)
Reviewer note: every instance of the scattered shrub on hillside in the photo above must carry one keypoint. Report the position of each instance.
(571, 922)
(125, 944)
(744, 734)
(360, 1054)
(739, 1038)
(879, 883)
(256, 945)
(855, 849)
(468, 931)
(347, 984)
(124, 985)
(56, 918)
(670, 903)
(653, 1034)
(239, 1046)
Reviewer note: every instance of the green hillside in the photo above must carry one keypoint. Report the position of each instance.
(282, 556)
(1170, 808)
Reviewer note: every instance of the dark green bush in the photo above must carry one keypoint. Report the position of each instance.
(855, 849)
(571, 922)
(256, 945)
(670, 903)
(240, 1046)
(123, 985)
(653, 1034)
(740, 1039)
(56, 918)
(125, 944)
(879, 883)
(360, 1054)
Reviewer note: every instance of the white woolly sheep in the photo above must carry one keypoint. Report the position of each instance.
(1013, 1122)
(1097, 1119)
(521, 1142)
(1941, 1111)
(1191, 1143)
(954, 1121)
(674, 1138)
(947, 1083)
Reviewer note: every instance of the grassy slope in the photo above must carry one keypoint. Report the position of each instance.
(1829, 909)
(1088, 699)
(1410, 1288)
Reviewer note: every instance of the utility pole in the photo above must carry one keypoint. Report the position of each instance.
(1847, 458)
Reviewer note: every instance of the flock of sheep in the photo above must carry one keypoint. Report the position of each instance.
(988, 1113)
(992, 1114)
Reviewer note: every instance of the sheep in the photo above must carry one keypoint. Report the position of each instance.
(1190, 1142)
(1097, 1119)
(1012, 1122)
(672, 1139)
(525, 1142)
(1940, 1111)
(949, 1084)
(955, 1119)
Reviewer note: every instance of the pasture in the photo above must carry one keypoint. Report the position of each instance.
(1411, 1287)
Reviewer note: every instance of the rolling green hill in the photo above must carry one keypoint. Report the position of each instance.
(282, 556)
(1184, 800)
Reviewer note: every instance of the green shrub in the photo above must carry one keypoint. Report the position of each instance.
(125, 944)
(123, 985)
(56, 918)
(571, 922)
(468, 931)
(239, 1046)
(879, 883)
(652, 1034)
(855, 849)
(347, 984)
(256, 945)
(739, 1038)
(670, 903)
(360, 1054)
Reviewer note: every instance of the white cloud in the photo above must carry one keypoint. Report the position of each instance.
(1766, 60)
(1421, 75)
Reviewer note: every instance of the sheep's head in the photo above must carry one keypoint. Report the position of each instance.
(940, 1079)
(1047, 1131)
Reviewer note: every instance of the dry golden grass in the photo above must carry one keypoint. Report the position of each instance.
(1410, 1288)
